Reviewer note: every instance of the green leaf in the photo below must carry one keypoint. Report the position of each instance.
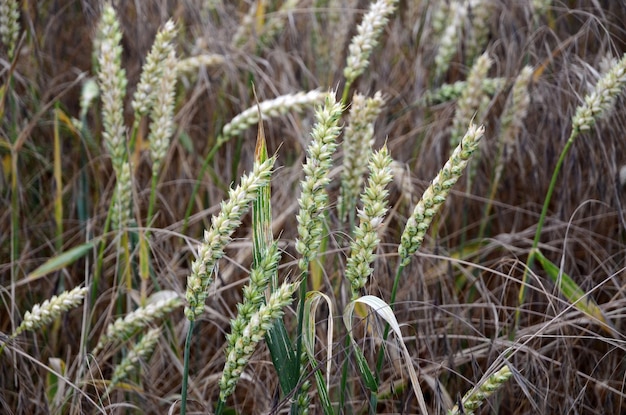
(574, 294)
(59, 262)
(285, 361)
(283, 356)
(261, 207)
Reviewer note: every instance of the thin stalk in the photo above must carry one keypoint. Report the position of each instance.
(347, 348)
(144, 252)
(219, 408)
(344, 376)
(15, 216)
(542, 217)
(236, 156)
(133, 137)
(58, 182)
(301, 300)
(492, 194)
(183, 397)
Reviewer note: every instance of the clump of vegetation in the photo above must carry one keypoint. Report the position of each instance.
(315, 207)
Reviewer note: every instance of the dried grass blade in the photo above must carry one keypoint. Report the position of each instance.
(313, 300)
(384, 311)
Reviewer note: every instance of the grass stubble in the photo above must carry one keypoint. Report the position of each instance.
(94, 303)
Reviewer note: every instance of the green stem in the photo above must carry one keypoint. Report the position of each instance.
(183, 394)
(344, 377)
(544, 212)
(220, 407)
(495, 182)
(348, 347)
(302, 298)
(344, 95)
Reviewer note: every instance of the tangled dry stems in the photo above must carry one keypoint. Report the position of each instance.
(461, 308)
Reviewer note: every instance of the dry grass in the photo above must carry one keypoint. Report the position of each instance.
(457, 298)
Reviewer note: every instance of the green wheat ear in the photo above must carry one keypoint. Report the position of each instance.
(314, 198)
(357, 147)
(112, 83)
(476, 397)
(219, 235)
(9, 25)
(371, 216)
(49, 310)
(242, 346)
(160, 305)
(141, 351)
(434, 196)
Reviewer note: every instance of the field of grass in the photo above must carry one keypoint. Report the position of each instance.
(430, 218)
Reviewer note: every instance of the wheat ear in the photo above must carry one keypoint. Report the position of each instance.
(470, 100)
(154, 70)
(449, 43)
(357, 147)
(9, 24)
(601, 99)
(313, 198)
(112, 82)
(241, 348)
(272, 108)
(142, 351)
(366, 38)
(162, 304)
(254, 292)
(219, 235)
(475, 398)
(436, 194)
(371, 216)
(49, 310)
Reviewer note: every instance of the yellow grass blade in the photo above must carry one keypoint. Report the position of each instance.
(260, 15)
(144, 265)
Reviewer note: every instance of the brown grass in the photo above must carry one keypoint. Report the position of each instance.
(457, 298)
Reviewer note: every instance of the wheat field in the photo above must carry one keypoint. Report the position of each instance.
(312, 206)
